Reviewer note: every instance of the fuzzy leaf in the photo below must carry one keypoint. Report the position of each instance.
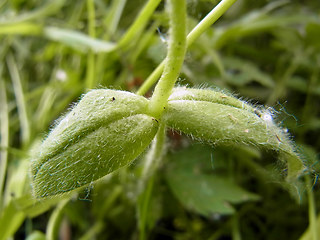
(105, 131)
(217, 117)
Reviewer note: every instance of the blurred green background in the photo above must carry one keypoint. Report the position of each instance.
(265, 52)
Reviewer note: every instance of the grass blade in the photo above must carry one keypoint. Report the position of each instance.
(4, 136)
(21, 103)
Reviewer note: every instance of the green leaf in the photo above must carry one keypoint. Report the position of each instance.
(105, 131)
(220, 118)
(202, 192)
(78, 40)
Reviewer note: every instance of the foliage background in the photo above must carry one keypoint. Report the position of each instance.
(265, 51)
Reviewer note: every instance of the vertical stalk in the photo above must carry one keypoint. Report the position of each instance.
(143, 208)
(90, 76)
(153, 159)
(312, 209)
(174, 59)
(236, 235)
(173, 63)
(155, 154)
(205, 23)
(55, 220)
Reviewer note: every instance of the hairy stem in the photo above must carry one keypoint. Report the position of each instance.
(205, 23)
(211, 18)
(174, 59)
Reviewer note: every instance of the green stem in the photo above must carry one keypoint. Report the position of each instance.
(174, 59)
(90, 76)
(152, 162)
(94, 230)
(139, 23)
(312, 209)
(151, 80)
(4, 136)
(210, 19)
(205, 23)
(236, 235)
(155, 154)
(146, 196)
(55, 220)
(91, 18)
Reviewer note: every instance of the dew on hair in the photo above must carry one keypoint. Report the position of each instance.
(267, 117)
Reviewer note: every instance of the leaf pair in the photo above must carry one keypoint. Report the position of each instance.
(108, 129)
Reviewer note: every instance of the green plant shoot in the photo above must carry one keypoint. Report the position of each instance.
(108, 129)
